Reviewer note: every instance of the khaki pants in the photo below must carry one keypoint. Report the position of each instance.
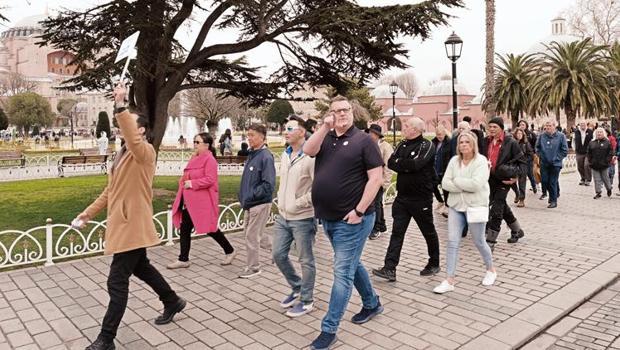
(255, 220)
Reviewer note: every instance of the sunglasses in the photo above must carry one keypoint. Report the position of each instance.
(197, 142)
(341, 110)
(291, 129)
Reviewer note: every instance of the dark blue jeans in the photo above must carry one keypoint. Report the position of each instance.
(348, 243)
(550, 175)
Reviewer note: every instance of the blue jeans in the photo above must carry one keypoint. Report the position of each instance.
(303, 233)
(348, 243)
(456, 222)
(550, 175)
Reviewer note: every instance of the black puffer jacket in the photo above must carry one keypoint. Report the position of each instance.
(599, 154)
(413, 161)
(511, 154)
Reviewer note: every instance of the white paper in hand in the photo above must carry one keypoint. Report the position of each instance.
(77, 223)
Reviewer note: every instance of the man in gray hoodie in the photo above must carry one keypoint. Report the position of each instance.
(296, 221)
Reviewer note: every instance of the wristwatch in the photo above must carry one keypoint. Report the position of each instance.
(358, 213)
(119, 107)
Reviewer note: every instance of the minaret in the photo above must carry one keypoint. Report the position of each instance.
(4, 60)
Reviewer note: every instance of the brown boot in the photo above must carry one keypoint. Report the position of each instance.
(521, 204)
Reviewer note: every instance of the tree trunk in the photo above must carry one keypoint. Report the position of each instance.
(514, 119)
(212, 125)
(570, 116)
(490, 58)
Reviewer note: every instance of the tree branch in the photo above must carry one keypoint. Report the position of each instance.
(206, 27)
(179, 18)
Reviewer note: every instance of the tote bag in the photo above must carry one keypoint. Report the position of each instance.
(477, 215)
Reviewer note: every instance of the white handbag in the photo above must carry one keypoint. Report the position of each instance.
(477, 215)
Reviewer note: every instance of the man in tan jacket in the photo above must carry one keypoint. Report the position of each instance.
(386, 149)
(296, 222)
(130, 230)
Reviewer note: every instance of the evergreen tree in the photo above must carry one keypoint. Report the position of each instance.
(332, 39)
(279, 111)
(4, 120)
(103, 124)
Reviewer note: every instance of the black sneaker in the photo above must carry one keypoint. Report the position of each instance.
(587, 183)
(581, 183)
(384, 273)
(374, 235)
(430, 270)
(366, 315)
(324, 341)
(534, 189)
(169, 313)
(101, 344)
(552, 205)
(608, 193)
(543, 196)
(598, 195)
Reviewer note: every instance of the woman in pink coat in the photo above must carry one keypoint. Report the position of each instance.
(196, 204)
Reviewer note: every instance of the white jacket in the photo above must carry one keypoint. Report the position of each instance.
(469, 185)
(295, 191)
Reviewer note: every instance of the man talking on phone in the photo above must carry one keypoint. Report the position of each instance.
(347, 175)
(128, 198)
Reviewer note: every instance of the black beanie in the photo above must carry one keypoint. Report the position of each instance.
(497, 120)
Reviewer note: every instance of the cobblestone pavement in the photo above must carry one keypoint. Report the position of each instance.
(566, 252)
(594, 325)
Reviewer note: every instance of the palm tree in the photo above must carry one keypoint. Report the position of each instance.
(513, 76)
(614, 93)
(571, 77)
(489, 93)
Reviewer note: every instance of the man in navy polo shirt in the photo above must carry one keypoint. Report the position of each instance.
(347, 175)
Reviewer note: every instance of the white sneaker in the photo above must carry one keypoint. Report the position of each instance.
(178, 265)
(228, 258)
(489, 278)
(444, 287)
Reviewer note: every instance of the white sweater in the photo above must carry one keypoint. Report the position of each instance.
(295, 191)
(468, 185)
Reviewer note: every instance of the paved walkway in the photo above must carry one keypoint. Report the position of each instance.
(568, 255)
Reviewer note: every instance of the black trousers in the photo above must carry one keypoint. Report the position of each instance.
(186, 237)
(402, 212)
(498, 209)
(133, 262)
(379, 217)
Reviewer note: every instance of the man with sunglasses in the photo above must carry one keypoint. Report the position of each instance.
(347, 175)
(296, 221)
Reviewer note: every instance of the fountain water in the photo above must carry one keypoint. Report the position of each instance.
(176, 127)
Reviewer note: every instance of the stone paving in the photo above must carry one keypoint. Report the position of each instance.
(594, 325)
(568, 255)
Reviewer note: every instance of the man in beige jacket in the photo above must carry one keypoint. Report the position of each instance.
(130, 230)
(386, 151)
(296, 221)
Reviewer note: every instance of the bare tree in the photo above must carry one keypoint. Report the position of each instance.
(596, 19)
(407, 81)
(15, 83)
(209, 105)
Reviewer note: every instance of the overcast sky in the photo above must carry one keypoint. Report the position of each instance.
(519, 25)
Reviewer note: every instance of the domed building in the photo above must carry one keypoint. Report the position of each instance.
(47, 67)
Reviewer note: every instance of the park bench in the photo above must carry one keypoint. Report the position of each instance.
(12, 159)
(82, 161)
(231, 159)
(89, 151)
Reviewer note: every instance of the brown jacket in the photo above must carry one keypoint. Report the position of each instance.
(129, 194)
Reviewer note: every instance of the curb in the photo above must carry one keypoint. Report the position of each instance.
(535, 319)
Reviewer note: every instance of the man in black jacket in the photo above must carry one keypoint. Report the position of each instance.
(413, 161)
(581, 140)
(507, 163)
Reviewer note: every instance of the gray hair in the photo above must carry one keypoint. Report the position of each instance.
(601, 130)
(550, 120)
(464, 124)
(417, 123)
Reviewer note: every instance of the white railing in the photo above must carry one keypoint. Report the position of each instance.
(52, 242)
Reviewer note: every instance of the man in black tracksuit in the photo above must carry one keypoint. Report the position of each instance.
(413, 161)
(504, 155)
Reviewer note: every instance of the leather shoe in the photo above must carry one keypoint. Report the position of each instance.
(101, 344)
(169, 313)
(552, 205)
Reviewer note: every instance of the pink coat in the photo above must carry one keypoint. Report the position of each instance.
(202, 199)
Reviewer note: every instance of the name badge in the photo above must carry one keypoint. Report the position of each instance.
(251, 168)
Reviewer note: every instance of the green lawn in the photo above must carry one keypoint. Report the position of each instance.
(26, 204)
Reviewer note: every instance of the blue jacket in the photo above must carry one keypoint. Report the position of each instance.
(552, 149)
(258, 180)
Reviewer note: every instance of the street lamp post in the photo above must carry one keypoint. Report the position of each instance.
(393, 91)
(454, 45)
(72, 114)
(612, 81)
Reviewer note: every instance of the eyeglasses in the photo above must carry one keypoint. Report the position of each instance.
(341, 110)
